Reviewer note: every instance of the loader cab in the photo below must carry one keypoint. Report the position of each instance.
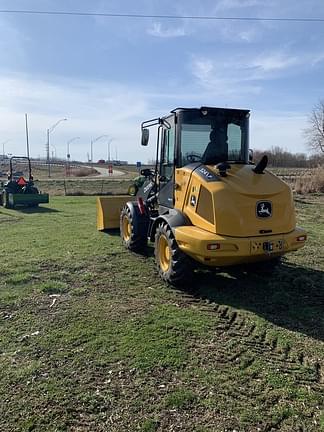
(194, 137)
(211, 136)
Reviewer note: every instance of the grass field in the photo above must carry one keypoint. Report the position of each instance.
(92, 340)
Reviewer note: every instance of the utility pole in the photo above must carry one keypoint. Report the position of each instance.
(27, 138)
(48, 153)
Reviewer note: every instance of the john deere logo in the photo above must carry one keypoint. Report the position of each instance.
(264, 209)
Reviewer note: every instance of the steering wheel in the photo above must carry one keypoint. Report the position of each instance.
(193, 157)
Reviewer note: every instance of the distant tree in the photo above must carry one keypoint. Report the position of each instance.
(314, 134)
(278, 157)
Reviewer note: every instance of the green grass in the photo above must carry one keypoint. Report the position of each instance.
(91, 339)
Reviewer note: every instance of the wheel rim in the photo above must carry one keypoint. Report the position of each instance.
(127, 230)
(164, 253)
(132, 190)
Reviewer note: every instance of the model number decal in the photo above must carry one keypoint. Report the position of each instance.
(206, 174)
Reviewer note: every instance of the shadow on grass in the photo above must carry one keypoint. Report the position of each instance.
(39, 209)
(147, 252)
(290, 296)
(115, 232)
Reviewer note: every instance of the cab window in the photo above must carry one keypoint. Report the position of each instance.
(167, 156)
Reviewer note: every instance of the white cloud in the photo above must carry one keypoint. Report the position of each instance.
(158, 30)
(238, 4)
(274, 62)
(92, 109)
(230, 73)
(221, 78)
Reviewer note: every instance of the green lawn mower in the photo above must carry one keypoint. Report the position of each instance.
(19, 191)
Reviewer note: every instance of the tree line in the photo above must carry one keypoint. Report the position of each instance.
(278, 157)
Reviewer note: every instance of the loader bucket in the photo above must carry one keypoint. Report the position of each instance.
(108, 211)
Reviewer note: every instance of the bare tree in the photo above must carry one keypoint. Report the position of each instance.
(314, 134)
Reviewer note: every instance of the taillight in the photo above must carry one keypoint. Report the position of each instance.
(301, 238)
(213, 246)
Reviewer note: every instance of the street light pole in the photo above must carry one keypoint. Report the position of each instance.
(3, 148)
(68, 172)
(48, 131)
(92, 142)
(108, 148)
(68, 146)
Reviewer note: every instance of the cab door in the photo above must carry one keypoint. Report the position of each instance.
(166, 178)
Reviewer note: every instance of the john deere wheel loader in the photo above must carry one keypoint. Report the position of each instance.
(205, 202)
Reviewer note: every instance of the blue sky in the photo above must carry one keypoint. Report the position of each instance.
(106, 75)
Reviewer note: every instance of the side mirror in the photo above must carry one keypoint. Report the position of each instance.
(145, 137)
(250, 155)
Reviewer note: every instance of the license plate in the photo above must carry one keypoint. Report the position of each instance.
(270, 246)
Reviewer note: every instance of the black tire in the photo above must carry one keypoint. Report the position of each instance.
(173, 265)
(133, 230)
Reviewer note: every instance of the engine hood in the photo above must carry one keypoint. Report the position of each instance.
(242, 204)
(242, 180)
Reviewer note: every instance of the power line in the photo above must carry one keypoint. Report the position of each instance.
(139, 16)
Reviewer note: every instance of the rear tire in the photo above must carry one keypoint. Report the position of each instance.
(132, 230)
(173, 265)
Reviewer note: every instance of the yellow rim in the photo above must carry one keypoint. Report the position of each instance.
(127, 229)
(132, 190)
(164, 253)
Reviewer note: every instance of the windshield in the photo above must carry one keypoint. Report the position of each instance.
(215, 137)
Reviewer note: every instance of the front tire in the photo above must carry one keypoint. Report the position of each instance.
(133, 230)
(173, 265)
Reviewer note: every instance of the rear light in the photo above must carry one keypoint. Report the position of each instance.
(213, 246)
(302, 238)
(141, 205)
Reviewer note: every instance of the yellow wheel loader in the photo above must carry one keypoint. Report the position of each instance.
(205, 201)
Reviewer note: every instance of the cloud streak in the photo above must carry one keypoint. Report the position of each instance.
(158, 30)
(238, 74)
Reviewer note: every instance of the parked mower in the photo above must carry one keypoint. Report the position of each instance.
(19, 191)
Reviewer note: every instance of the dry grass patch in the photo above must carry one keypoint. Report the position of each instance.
(311, 183)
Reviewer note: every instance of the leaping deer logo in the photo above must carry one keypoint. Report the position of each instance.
(264, 209)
